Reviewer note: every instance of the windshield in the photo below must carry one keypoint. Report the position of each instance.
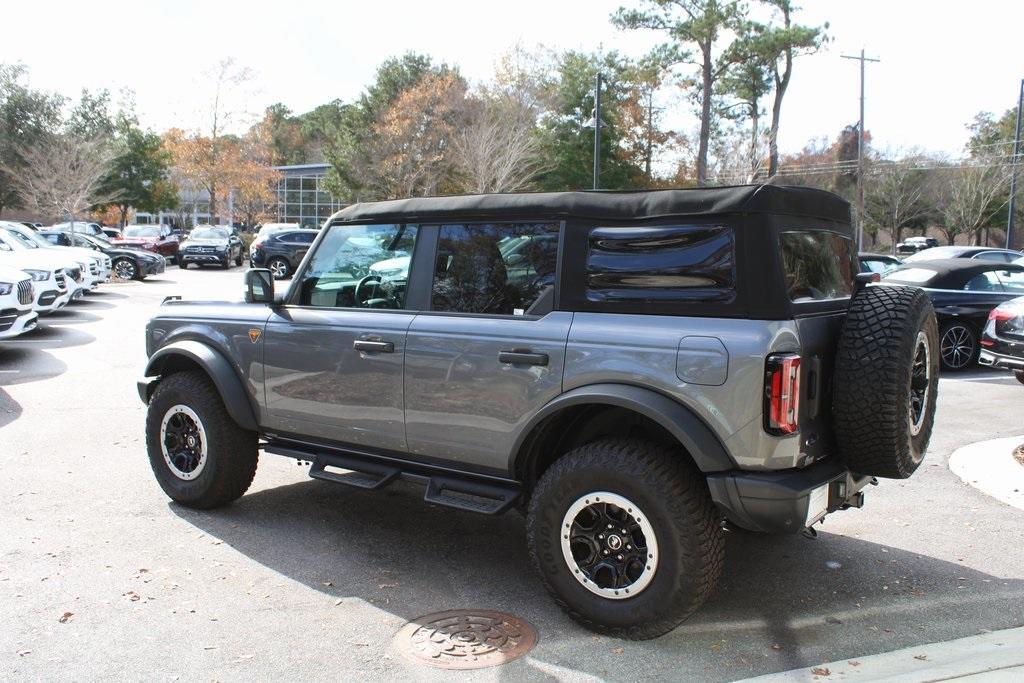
(141, 231)
(208, 234)
(97, 241)
(29, 244)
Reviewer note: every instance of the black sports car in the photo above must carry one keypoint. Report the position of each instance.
(211, 245)
(982, 253)
(1002, 340)
(125, 263)
(964, 292)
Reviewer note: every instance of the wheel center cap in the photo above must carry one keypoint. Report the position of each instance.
(614, 542)
(191, 441)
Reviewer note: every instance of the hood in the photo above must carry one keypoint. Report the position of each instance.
(77, 252)
(37, 259)
(9, 274)
(126, 250)
(135, 240)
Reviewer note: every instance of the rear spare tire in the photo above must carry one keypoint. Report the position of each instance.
(886, 381)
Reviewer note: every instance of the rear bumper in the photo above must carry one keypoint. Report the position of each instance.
(998, 360)
(786, 501)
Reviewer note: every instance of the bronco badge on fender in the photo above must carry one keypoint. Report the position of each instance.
(254, 334)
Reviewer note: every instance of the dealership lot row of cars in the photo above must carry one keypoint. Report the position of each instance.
(978, 294)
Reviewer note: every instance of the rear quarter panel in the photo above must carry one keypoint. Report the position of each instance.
(644, 350)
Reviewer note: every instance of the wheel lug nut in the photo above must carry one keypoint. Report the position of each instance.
(604, 552)
(610, 526)
(618, 557)
(622, 530)
(601, 536)
(629, 547)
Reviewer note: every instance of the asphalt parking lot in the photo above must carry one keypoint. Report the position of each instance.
(100, 576)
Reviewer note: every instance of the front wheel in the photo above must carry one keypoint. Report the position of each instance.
(959, 346)
(625, 537)
(125, 268)
(200, 456)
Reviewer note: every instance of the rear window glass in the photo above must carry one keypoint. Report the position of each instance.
(818, 265)
(672, 263)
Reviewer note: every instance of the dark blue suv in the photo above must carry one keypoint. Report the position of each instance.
(281, 252)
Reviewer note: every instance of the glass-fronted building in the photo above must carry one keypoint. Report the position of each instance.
(301, 198)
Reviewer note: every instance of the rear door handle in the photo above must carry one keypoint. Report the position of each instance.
(522, 357)
(373, 346)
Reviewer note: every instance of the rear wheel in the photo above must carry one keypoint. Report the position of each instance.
(200, 456)
(959, 346)
(1019, 374)
(625, 537)
(279, 267)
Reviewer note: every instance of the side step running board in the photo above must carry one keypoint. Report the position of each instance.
(489, 497)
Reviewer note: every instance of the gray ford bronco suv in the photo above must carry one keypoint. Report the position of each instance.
(633, 371)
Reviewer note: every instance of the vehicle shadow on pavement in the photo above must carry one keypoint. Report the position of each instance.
(10, 410)
(783, 601)
(53, 337)
(984, 376)
(89, 303)
(71, 316)
(22, 364)
(104, 294)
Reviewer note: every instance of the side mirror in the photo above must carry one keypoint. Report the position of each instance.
(259, 286)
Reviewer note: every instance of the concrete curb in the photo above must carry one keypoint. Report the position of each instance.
(995, 656)
(989, 466)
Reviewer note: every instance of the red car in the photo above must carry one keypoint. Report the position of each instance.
(159, 239)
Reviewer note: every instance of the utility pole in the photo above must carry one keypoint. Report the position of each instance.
(597, 132)
(1013, 172)
(860, 150)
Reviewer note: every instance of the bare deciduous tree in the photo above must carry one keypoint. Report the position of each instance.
(972, 195)
(498, 149)
(897, 196)
(62, 175)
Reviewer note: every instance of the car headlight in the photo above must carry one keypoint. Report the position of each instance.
(39, 275)
(6, 288)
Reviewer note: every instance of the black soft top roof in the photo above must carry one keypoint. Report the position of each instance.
(608, 205)
(950, 269)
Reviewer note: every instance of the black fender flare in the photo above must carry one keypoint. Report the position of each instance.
(693, 434)
(216, 366)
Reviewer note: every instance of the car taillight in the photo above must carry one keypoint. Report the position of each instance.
(256, 245)
(782, 393)
(1002, 314)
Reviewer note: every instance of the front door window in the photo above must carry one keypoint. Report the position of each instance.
(360, 266)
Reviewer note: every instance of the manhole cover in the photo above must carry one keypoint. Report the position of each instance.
(466, 639)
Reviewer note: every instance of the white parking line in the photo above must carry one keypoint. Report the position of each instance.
(9, 372)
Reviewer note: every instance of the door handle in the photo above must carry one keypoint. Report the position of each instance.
(522, 357)
(373, 346)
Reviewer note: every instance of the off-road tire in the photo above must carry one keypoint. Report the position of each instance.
(1019, 374)
(663, 483)
(232, 451)
(871, 403)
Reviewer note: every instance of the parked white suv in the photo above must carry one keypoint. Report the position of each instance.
(48, 272)
(83, 273)
(17, 296)
(95, 264)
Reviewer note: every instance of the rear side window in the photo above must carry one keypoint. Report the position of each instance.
(495, 269)
(818, 265)
(691, 263)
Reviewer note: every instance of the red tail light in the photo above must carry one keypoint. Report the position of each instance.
(782, 393)
(1004, 314)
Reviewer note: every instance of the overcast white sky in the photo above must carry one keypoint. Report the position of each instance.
(942, 61)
